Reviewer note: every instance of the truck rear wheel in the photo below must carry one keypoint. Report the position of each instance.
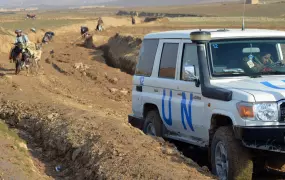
(153, 124)
(230, 161)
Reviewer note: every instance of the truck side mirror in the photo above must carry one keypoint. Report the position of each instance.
(189, 74)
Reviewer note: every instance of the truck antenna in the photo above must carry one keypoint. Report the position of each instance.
(243, 15)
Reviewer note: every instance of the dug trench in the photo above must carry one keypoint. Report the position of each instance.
(74, 114)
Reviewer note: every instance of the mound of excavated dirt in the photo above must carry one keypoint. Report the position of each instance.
(122, 52)
(6, 43)
(145, 14)
(6, 40)
(36, 37)
(108, 22)
(157, 19)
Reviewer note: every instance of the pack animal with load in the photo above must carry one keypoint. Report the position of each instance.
(31, 16)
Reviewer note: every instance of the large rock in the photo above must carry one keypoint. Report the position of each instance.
(81, 66)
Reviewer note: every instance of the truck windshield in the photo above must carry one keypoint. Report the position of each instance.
(251, 57)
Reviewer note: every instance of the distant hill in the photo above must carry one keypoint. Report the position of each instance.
(126, 3)
(133, 3)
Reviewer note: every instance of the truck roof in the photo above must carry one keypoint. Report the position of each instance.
(218, 34)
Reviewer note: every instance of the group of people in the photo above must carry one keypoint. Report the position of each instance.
(88, 39)
(99, 27)
(24, 49)
(23, 45)
(22, 42)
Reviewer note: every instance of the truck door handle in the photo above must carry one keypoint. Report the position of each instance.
(139, 88)
(155, 90)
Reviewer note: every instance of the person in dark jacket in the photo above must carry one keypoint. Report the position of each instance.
(48, 37)
(84, 30)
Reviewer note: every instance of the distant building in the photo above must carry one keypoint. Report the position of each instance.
(90, 7)
(252, 1)
(31, 9)
(17, 9)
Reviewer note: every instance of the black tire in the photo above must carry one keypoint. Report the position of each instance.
(153, 118)
(240, 165)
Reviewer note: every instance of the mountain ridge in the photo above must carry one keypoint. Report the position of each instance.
(125, 3)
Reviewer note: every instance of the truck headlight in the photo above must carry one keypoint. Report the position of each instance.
(260, 111)
(266, 111)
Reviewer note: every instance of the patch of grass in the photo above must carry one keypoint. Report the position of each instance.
(19, 155)
(222, 9)
(226, 22)
(5, 131)
(78, 13)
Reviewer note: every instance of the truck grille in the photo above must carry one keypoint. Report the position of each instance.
(282, 112)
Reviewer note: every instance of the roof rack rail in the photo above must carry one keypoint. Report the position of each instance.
(223, 29)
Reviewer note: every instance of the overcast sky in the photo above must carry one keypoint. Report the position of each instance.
(115, 2)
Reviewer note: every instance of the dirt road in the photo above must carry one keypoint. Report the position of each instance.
(76, 111)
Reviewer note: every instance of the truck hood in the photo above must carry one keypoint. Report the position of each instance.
(262, 89)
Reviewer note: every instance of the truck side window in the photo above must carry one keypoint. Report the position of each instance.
(189, 59)
(168, 61)
(146, 57)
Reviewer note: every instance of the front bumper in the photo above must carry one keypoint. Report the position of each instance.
(269, 138)
(136, 122)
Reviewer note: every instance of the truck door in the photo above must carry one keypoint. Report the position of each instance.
(162, 87)
(142, 79)
(190, 104)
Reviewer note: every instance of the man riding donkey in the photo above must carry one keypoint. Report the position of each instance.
(22, 49)
(20, 44)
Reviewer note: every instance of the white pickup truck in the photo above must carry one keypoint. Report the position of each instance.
(223, 90)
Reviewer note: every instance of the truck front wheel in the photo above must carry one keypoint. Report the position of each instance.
(230, 161)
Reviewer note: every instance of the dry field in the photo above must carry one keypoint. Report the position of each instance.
(223, 9)
(74, 113)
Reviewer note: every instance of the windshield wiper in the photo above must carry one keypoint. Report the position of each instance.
(233, 71)
(255, 76)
